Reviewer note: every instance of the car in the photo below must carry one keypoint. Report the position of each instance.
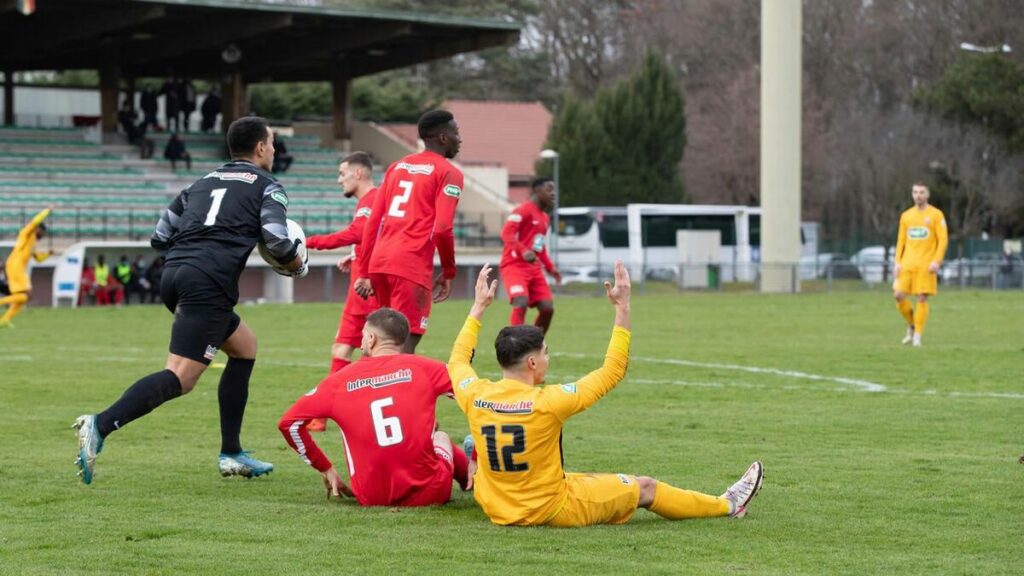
(585, 274)
(828, 264)
(979, 270)
(873, 264)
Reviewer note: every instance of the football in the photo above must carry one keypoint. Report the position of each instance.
(294, 233)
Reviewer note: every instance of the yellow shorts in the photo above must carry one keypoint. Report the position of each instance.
(597, 499)
(916, 282)
(18, 282)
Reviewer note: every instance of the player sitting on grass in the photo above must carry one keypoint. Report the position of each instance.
(384, 405)
(517, 426)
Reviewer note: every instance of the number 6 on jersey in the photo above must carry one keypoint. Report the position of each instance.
(387, 428)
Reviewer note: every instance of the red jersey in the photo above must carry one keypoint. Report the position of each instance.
(414, 213)
(385, 408)
(526, 229)
(350, 236)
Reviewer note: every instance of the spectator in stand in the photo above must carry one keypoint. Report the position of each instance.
(87, 286)
(154, 274)
(175, 151)
(124, 277)
(140, 284)
(282, 159)
(209, 110)
(187, 96)
(127, 117)
(172, 102)
(149, 105)
(106, 284)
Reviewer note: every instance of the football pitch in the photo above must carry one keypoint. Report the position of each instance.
(879, 458)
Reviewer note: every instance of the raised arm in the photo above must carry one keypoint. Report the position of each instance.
(459, 367)
(351, 234)
(577, 397)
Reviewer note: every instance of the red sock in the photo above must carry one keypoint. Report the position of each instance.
(517, 317)
(338, 364)
(461, 466)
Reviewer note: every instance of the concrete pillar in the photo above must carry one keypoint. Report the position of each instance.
(233, 101)
(8, 97)
(110, 78)
(341, 107)
(781, 67)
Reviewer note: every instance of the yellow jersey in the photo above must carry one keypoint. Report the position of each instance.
(922, 240)
(517, 429)
(24, 247)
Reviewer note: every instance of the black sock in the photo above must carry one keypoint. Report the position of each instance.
(138, 400)
(233, 393)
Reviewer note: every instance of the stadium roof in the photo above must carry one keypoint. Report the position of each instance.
(277, 42)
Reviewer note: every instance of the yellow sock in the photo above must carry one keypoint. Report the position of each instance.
(907, 310)
(675, 503)
(16, 302)
(920, 317)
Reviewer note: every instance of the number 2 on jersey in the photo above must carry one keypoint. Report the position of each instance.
(508, 452)
(397, 201)
(217, 196)
(387, 428)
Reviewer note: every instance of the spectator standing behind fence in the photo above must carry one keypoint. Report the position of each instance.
(5, 288)
(209, 110)
(175, 151)
(87, 285)
(282, 159)
(172, 103)
(148, 104)
(154, 273)
(106, 284)
(140, 284)
(187, 94)
(123, 275)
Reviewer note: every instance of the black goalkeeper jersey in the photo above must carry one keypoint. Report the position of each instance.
(215, 223)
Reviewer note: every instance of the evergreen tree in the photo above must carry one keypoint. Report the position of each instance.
(625, 145)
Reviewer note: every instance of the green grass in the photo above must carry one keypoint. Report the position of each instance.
(919, 479)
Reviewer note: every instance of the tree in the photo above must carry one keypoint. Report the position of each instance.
(625, 144)
(983, 89)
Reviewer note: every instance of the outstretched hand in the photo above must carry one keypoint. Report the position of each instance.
(619, 293)
(484, 292)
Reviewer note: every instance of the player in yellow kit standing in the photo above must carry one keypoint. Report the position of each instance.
(516, 425)
(920, 248)
(17, 267)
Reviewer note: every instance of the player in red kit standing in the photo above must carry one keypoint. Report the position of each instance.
(384, 405)
(525, 237)
(413, 214)
(355, 175)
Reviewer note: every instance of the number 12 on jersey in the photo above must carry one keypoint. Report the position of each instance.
(507, 462)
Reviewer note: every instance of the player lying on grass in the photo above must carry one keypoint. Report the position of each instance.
(384, 405)
(516, 425)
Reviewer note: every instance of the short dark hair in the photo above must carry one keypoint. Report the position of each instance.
(245, 133)
(360, 158)
(920, 183)
(391, 323)
(42, 227)
(515, 342)
(433, 123)
(538, 182)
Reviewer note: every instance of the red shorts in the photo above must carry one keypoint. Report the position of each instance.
(406, 296)
(526, 281)
(353, 318)
(437, 490)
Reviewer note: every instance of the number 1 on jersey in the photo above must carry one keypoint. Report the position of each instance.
(397, 201)
(218, 197)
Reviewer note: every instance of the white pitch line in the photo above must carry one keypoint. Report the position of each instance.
(865, 385)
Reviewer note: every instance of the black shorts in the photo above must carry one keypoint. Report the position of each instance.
(204, 317)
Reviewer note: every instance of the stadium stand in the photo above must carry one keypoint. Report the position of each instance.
(105, 192)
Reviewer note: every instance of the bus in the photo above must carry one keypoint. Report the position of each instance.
(644, 237)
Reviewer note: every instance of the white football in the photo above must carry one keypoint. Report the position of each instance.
(294, 233)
